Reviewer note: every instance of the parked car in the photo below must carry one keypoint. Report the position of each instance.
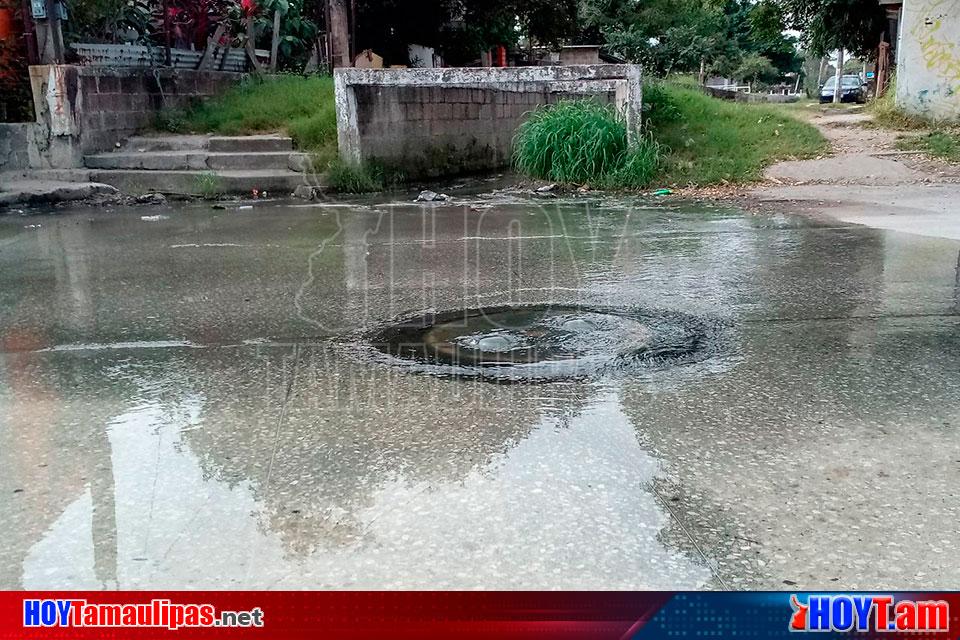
(852, 89)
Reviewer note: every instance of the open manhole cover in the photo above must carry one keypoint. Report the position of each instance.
(543, 343)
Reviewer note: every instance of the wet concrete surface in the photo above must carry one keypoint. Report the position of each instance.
(186, 402)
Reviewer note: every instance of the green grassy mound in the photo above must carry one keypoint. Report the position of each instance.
(710, 141)
(302, 107)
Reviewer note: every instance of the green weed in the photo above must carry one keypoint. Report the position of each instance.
(209, 185)
(939, 144)
(368, 177)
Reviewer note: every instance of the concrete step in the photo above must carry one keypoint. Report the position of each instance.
(40, 190)
(53, 175)
(198, 160)
(218, 144)
(201, 183)
(140, 144)
(250, 144)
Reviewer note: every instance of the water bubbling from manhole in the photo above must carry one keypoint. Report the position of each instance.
(544, 343)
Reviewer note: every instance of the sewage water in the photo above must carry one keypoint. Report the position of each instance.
(182, 405)
(541, 343)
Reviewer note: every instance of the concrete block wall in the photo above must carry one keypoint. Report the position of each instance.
(434, 131)
(86, 109)
(434, 122)
(19, 146)
(115, 103)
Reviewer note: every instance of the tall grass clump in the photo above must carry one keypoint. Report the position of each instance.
(582, 141)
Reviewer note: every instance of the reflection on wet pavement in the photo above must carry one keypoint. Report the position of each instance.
(184, 404)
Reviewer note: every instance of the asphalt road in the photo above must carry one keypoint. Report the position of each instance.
(188, 402)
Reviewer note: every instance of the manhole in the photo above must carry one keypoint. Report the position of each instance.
(542, 343)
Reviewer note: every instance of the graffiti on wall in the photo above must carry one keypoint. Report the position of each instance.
(934, 31)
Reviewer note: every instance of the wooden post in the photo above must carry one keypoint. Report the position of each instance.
(210, 52)
(275, 41)
(338, 29)
(250, 45)
(54, 32)
(166, 31)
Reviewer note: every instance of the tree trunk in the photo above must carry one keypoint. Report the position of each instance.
(837, 86)
(703, 71)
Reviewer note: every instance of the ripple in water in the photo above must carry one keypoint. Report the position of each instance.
(544, 343)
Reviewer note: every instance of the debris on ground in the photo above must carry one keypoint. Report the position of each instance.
(546, 188)
(431, 196)
(661, 192)
(307, 192)
(151, 198)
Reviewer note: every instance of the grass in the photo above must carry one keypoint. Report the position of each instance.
(690, 138)
(583, 142)
(936, 139)
(710, 141)
(302, 107)
(366, 178)
(886, 114)
(943, 144)
(209, 185)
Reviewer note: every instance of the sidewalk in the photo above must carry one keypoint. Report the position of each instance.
(867, 181)
(49, 186)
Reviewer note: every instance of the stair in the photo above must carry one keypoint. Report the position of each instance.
(202, 165)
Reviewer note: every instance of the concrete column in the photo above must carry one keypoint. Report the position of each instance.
(633, 103)
(348, 129)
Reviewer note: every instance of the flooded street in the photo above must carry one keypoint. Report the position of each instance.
(192, 398)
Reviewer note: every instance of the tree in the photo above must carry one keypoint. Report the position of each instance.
(854, 25)
(755, 69)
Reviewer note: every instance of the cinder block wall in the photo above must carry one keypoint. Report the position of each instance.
(85, 109)
(115, 103)
(429, 131)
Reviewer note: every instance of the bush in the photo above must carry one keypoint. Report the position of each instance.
(582, 141)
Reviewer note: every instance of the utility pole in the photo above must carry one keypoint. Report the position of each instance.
(837, 88)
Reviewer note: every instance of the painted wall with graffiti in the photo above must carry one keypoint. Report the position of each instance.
(928, 73)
